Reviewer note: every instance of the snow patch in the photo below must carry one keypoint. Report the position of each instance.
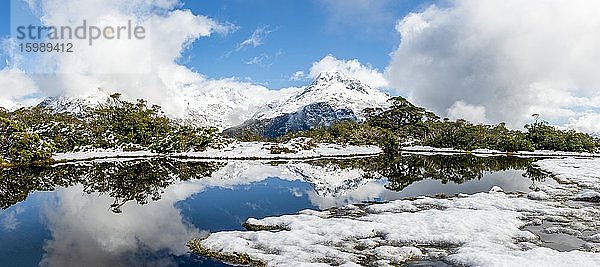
(263, 150)
(581, 171)
(482, 229)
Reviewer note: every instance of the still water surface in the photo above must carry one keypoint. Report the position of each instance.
(142, 212)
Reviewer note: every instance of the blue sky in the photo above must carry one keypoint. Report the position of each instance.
(4, 26)
(294, 35)
(300, 33)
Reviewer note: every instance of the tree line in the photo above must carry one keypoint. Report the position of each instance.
(32, 135)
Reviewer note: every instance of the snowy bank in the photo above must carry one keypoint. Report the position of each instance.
(295, 149)
(428, 150)
(579, 178)
(102, 154)
(300, 148)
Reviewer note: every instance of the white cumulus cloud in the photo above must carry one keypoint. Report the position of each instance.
(589, 122)
(15, 86)
(353, 68)
(144, 68)
(462, 110)
(85, 232)
(298, 76)
(512, 58)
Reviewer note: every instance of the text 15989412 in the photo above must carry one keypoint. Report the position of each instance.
(46, 47)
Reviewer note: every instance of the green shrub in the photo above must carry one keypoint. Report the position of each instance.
(544, 136)
(18, 146)
(403, 122)
(64, 131)
(185, 138)
(461, 134)
(121, 122)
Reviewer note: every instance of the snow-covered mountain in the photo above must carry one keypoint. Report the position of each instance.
(76, 105)
(331, 97)
(336, 89)
(224, 105)
(219, 104)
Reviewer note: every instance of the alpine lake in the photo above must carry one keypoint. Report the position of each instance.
(143, 211)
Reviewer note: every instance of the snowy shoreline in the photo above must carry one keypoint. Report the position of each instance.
(235, 151)
(262, 150)
(427, 150)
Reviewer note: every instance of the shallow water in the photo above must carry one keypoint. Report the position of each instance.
(556, 241)
(142, 212)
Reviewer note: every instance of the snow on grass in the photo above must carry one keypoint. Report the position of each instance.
(588, 195)
(579, 178)
(484, 229)
(299, 148)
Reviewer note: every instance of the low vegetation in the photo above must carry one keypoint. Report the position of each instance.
(258, 227)
(196, 246)
(19, 145)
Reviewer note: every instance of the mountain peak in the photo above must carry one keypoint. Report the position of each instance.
(328, 76)
(327, 79)
(340, 91)
(76, 105)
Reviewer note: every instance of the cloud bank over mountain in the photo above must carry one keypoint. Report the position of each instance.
(508, 59)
